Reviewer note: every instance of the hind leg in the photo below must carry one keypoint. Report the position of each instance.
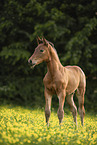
(73, 107)
(80, 96)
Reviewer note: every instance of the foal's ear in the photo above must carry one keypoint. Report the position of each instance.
(38, 40)
(45, 41)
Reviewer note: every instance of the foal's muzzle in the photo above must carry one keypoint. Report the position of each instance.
(31, 63)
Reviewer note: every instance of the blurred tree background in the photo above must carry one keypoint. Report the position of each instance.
(70, 25)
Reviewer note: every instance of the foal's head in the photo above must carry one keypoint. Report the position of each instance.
(41, 53)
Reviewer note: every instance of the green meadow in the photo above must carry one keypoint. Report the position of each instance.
(24, 126)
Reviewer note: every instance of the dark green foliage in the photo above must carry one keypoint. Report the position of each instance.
(70, 25)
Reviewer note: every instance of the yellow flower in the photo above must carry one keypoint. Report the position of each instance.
(78, 142)
(35, 135)
(95, 136)
(21, 142)
(39, 139)
(29, 141)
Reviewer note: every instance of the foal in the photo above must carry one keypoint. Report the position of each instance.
(63, 81)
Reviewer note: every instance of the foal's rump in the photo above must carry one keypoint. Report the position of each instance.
(76, 78)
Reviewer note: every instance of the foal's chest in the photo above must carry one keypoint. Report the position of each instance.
(51, 87)
(54, 87)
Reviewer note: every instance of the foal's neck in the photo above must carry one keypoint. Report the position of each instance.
(54, 64)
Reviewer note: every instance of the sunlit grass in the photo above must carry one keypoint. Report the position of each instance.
(20, 125)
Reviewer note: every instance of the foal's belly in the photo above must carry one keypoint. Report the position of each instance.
(71, 87)
(73, 82)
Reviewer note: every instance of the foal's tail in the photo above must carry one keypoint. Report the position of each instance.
(80, 94)
(82, 83)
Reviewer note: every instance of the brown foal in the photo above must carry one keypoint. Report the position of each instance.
(60, 80)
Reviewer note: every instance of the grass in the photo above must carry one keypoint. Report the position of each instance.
(22, 126)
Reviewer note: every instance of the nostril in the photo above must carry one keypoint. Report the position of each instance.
(30, 61)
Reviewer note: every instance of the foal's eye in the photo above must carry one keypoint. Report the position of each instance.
(41, 50)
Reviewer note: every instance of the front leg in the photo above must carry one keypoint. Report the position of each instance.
(48, 99)
(61, 97)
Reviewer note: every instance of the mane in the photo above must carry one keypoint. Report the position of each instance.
(53, 47)
(50, 43)
(54, 51)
